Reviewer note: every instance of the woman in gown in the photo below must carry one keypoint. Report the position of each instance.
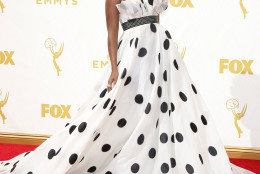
(153, 120)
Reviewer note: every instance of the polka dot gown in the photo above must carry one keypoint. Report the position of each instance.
(154, 120)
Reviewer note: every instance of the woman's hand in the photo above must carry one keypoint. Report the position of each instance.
(113, 78)
(112, 21)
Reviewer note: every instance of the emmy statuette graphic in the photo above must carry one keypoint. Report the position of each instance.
(233, 105)
(2, 6)
(51, 43)
(183, 52)
(2, 104)
(243, 8)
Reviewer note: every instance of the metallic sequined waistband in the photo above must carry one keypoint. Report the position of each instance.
(139, 21)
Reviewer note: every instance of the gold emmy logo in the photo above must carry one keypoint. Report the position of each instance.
(6, 57)
(2, 6)
(183, 52)
(236, 66)
(56, 111)
(60, 2)
(51, 43)
(233, 105)
(2, 103)
(100, 64)
(243, 8)
(181, 3)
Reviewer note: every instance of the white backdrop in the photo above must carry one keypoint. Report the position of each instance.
(219, 41)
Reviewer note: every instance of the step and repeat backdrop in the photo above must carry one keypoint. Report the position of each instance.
(54, 57)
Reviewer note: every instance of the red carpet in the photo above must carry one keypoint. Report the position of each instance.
(8, 151)
(252, 165)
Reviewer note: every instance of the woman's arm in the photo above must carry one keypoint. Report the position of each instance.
(112, 21)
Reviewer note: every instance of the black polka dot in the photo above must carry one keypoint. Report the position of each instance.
(108, 172)
(92, 169)
(172, 107)
(201, 160)
(118, 62)
(112, 111)
(166, 44)
(115, 155)
(203, 119)
(119, 44)
(172, 138)
(139, 98)
(168, 34)
(136, 42)
(82, 158)
(157, 122)
(148, 108)
(159, 57)
(58, 151)
(153, 27)
(14, 166)
(73, 158)
(128, 80)
(94, 106)
(106, 103)
(135, 168)
(189, 169)
(102, 94)
(152, 78)
(179, 137)
(173, 162)
(30, 173)
(152, 153)
(164, 107)
(194, 89)
(96, 136)
(51, 154)
(112, 104)
(123, 73)
(165, 75)
(163, 137)
(140, 139)
(193, 127)
(106, 147)
(165, 168)
(67, 124)
(159, 91)
(82, 126)
(183, 96)
(175, 64)
(150, 2)
(212, 151)
(131, 41)
(121, 123)
(72, 128)
(142, 52)
(27, 153)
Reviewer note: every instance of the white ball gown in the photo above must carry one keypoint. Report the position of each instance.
(153, 121)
